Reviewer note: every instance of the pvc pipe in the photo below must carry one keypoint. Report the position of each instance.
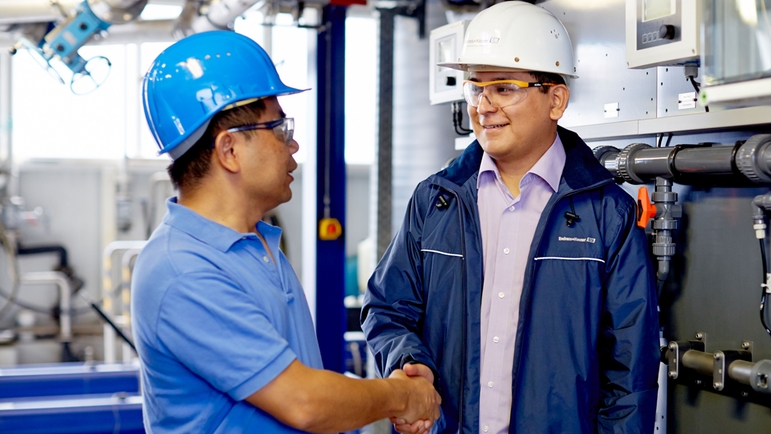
(128, 256)
(65, 294)
(35, 11)
(107, 291)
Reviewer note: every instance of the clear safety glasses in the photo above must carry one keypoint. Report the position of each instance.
(283, 129)
(499, 93)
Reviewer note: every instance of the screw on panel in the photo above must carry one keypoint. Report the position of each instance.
(717, 385)
(746, 345)
(699, 335)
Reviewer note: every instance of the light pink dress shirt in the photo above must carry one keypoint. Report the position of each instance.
(508, 225)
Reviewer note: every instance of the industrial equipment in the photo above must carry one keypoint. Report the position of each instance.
(662, 32)
(57, 51)
(730, 372)
(445, 44)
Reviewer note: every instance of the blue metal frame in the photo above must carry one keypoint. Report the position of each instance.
(67, 379)
(73, 415)
(330, 178)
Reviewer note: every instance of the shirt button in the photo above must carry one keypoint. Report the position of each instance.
(496, 339)
(511, 208)
(506, 250)
(501, 295)
(485, 428)
(265, 258)
(489, 384)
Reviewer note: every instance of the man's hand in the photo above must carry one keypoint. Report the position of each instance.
(421, 402)
(419, 426)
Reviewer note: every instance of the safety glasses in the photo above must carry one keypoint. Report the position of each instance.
(499, 93)
(282, 128)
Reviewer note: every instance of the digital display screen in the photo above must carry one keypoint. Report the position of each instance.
(655, 9)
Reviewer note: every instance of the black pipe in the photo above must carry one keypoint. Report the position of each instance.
(53, 248)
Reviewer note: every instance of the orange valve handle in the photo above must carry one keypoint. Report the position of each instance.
(645, 209)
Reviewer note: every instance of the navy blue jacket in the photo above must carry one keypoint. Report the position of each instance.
(587, 350)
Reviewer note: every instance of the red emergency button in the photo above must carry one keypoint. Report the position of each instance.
(330, 229)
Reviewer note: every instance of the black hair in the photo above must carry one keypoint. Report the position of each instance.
(547, 77)
(187, 170)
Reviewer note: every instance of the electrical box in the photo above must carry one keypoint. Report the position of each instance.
(662, 32)
(446, 43)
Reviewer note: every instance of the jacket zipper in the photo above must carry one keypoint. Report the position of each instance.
(463, 313)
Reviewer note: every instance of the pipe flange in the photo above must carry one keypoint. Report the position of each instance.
(607, 156)
(604, 152)
(752, 161)
(625, 158)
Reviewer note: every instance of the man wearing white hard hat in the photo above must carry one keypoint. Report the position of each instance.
(519, 282)
(221, 322)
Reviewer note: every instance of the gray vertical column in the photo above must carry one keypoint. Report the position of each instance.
(383, 173)
(6, 122)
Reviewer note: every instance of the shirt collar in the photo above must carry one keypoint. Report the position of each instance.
(199, 227)
(548, 167)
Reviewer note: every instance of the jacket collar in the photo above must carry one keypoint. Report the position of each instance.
(581, 170)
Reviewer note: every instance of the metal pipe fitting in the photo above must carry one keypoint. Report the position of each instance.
(699, 361)
(741, 371)
(720, 365)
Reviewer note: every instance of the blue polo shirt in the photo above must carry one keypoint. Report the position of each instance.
(215, 320)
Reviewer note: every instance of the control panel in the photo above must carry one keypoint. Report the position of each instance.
(662, 32)
(446, 43)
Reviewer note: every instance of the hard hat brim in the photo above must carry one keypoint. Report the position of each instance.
(473, 67)
(286, 90)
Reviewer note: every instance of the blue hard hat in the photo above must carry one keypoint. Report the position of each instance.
(199, 76)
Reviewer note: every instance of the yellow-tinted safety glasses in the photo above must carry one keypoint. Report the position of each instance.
(499, 93)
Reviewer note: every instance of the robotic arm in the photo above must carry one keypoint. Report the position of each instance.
(58, 49)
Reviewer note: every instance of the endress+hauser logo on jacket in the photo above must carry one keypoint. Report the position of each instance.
(578, 240)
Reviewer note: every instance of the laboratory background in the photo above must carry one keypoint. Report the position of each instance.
(673, 96)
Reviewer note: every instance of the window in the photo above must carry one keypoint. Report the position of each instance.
(361, 89)
(49, 121)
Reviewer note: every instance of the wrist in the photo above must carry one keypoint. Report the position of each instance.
(395, 396)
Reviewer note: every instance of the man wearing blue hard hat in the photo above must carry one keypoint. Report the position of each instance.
(222, 325)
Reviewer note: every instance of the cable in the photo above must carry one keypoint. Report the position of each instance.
(108, 321)
(457, 120)
(697, 86)
(764, 287)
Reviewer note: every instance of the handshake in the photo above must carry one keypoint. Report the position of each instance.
(415, 383)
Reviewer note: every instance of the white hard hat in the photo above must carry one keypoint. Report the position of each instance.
(515, 35)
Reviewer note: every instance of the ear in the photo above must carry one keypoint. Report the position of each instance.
(559, 96)
(225, 152)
